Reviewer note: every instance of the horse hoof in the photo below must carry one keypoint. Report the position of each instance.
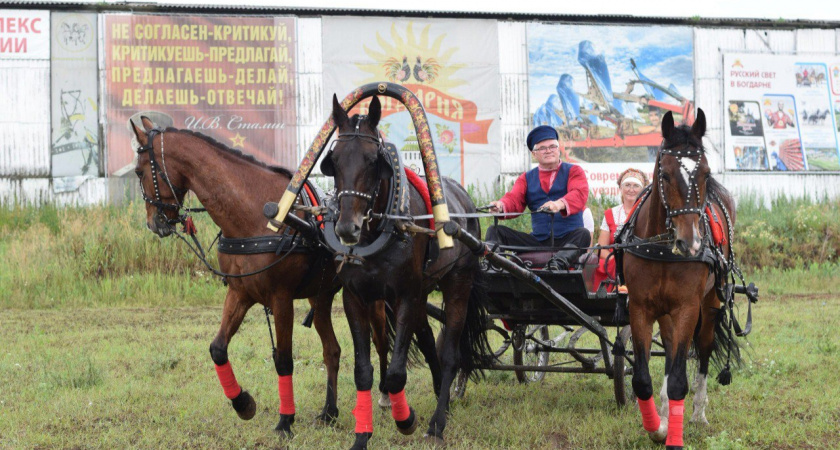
(434, 441)
(660, 434)
(244, 405)
(384, 401)
(284, 426)
(408, 426)
(673, 447)
(326, 418)
(361, 441)
(699, 420)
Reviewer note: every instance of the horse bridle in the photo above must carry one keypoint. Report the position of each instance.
(692, 183)
(160, 171)
(347, 137)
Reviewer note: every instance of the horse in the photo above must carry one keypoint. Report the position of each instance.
(678, 291)
(233, 187)
(361, 170)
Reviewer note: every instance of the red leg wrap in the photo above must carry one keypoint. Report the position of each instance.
(650, 420)
(287, 394)
(363, 412)
(399, 406)
(228, 380)
(676, 408)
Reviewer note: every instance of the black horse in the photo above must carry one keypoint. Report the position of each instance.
(397, 273)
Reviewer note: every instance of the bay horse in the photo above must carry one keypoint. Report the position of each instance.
(233, 187)
(679, 289)
(361, 170)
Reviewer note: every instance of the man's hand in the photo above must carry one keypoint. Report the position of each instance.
(555, 206)
(497, 206)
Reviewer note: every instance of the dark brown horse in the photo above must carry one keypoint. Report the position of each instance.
(677, 291)
(233, 188)
(396, 273)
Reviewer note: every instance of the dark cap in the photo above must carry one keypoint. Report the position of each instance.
(540, 134)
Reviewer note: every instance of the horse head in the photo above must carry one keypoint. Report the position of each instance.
(358, 165)
(680, 178)
(164, 199)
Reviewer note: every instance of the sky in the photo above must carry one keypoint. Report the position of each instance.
(755, 9)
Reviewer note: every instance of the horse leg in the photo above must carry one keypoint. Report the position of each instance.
(395, 379)
(379, 327)
(705, 341)
(427, 346)
(685, 321)
(666, 331)
(456, 295)
(332, 354)
(236, 306)
(283, 309)
(641, 327)
(357, 318)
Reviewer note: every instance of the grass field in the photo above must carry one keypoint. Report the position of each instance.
(106, 328)
(142, 377)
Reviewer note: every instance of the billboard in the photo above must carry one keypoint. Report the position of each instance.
(453, 68)
(74, 92)
(24, 34)
(605, 90)
(231, 78)
(782, 112)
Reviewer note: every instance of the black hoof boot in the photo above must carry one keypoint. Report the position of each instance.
(673, 447)
(327, 417)
(361, 441)
(244, 405)
(284, 426)
(408, 426)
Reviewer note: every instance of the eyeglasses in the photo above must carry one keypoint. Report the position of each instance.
(547, 147)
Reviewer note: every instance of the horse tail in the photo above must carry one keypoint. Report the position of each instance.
(726, 351)
(474, 347)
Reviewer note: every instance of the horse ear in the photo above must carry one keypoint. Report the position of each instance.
(374, 112)
(327, 166)
(141, 136)
(668, 125)
(147, 123)
(339, 114)
(699, 127)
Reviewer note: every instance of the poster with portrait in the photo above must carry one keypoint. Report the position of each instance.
(452, 66)
(605, 90)
(782, 112)
(229, 78)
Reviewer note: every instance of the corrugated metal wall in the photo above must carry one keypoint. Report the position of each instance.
(513, 72)
(310, 106)
(25, 143)
(25, 122)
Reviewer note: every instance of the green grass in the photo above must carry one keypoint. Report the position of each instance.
(106, 328)
(120, 377)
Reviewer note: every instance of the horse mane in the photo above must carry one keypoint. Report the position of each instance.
(243, 156)
(682, 135)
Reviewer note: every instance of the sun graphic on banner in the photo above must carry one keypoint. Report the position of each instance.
(412, 59)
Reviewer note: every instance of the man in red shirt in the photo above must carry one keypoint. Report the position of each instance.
(554, 186)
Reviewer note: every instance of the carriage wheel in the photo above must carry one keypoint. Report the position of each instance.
(527, 353)
(586, 361)
(622, 372)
